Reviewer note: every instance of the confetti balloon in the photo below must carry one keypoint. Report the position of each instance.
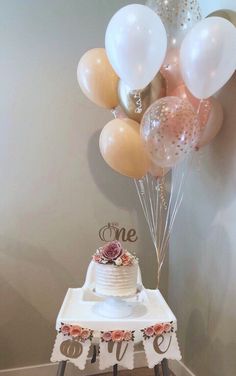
(170, 130)
(178, 17)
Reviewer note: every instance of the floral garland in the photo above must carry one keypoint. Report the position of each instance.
(82, 334)
(113, 253)
(157, 330)
(76, 332)
(117, 336)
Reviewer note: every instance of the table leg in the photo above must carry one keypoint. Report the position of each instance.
(165, 368)
(157, 370)
(94, 357)
(61, 368)
(115, 370)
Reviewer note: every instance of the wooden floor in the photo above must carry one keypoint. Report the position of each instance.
(135, 372)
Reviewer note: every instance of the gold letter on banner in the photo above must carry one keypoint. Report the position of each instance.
(157, 345)
(119, 356)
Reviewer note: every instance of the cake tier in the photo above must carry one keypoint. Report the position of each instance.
(114, 280)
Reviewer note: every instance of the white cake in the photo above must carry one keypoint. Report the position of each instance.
(116, 280)
(116, 270)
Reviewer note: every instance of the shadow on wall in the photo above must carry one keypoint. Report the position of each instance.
(204, 347)
(121, 192)
(204, 269)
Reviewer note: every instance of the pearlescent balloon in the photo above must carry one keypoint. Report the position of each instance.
(208, 56)
(170, 130)
(135, 102)
(136, 44)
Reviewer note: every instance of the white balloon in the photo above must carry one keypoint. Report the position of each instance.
(208, 56)
(136, 44)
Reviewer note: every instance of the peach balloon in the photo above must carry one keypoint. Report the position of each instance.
(213, 125)
(171, 70)
(202, 107)
(122, 148)
(97, 79)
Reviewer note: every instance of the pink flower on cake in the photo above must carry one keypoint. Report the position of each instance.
(158, 329)
(117, 335)
(96, 258)
(111, 251)
(149, 331)
(125, 259)
(167, 327)
(118, 261)
(75, 331)
(85, 333)
(127, 336)
(106, 336)
(65, 329)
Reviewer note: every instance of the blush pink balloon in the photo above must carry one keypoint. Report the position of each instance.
(213, 125)
(171, 70)
(157, 171)
(202, 107)
(170, 130)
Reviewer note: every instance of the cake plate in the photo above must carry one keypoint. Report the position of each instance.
(116, 307)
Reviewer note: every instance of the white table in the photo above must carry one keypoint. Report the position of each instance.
(80, 308)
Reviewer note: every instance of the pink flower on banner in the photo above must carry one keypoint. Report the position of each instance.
(111, 251)
(167, 327)
(107, 336)
(127, 336)
(117, 335)
(158, 329)
(75, 331)
(149, 331)
(65, 329)
(126, 259)
(85, 333)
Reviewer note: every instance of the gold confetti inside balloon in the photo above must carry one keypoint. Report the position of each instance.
(178, 17)
(170, 129)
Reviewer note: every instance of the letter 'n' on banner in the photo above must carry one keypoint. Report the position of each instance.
(116, 347)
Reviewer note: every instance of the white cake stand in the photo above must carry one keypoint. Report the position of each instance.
(115, 307)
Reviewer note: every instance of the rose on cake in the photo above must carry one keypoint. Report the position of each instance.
(113, 253)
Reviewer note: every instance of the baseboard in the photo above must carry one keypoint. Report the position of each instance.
(179, 368)
(91, 369)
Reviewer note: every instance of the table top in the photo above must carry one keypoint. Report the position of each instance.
(79, 308)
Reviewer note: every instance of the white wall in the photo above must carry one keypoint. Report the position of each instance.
(55, 189)
(202, 268)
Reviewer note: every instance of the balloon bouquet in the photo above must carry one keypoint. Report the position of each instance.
(159, 69)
